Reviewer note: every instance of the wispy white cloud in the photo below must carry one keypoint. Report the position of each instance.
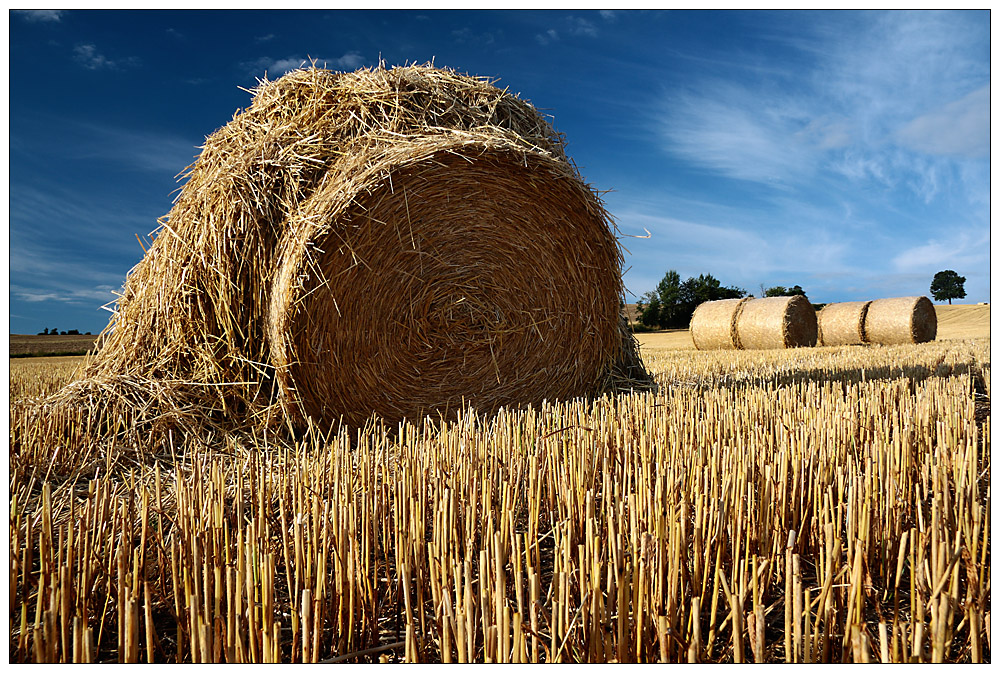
(737, 248)
(69, 294)
(960, 128)
(609, 15)
(40, 15)
(963, 248)
(574, 26)
(276, 67)
(90, 58)
(134, 148)
(549, 36)
(580, 26)
(729, 129)
(468, 36)
(868, 110)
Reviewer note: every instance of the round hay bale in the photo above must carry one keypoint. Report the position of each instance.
(842, 324)
(713, 325)
(776, 322)
(901, 320)
(198, 335)
(458, 268)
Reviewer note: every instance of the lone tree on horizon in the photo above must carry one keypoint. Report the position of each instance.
(948, 285)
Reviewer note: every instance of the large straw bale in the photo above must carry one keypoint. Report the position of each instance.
(307, 191)
(776, 322)
(842, 324)
(488, 264)
(713, 325)
(901, 320)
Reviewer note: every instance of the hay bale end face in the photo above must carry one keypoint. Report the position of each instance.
(776, 322)
(713, 325)
(901, 320)
(455, 269)
(842, 324)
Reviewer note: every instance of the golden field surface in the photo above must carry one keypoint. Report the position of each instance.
(42, 344)
(812, 505)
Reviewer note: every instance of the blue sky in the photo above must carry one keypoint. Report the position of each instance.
(847, 152)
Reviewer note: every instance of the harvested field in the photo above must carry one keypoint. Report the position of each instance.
(44, 344)
(817, 504)
(969, 321)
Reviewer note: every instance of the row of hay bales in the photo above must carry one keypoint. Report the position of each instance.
(792, 322)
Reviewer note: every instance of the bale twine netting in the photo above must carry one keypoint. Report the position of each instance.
(901, 320)
(776, 322)
(713, 325)
(843, 324)
(388, 242)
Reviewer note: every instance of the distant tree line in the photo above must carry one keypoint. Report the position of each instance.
(672, 303)
(782, 291)
(56, 332)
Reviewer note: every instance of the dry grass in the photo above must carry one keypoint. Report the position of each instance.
(827, 504)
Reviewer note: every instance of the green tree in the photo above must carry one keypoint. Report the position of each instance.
(649, 309)
(948, 285)
(695, 291)
(668, 291)
(673, 302)
(782, 291)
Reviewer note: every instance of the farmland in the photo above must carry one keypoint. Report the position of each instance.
(819, 504)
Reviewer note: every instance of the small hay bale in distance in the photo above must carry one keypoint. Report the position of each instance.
(713, 325)
(776, 322)
(901, 320)
(842, 324)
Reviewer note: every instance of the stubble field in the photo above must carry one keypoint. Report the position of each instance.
(823, 504)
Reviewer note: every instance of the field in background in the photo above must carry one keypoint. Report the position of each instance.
(43, 344)
(816, 504)
(963, 321)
